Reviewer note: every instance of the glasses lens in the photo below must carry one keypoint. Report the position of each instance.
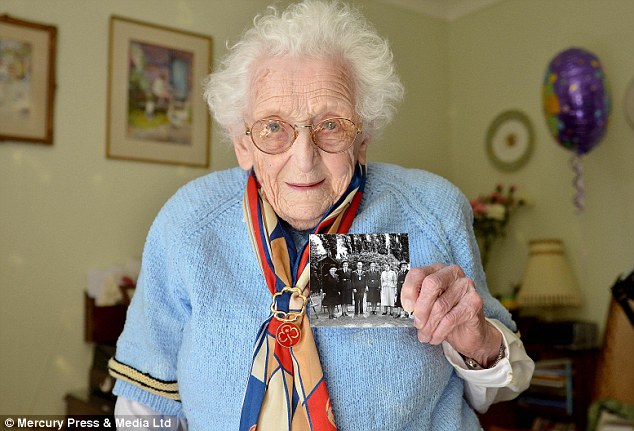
(334, 135)
(272, 136)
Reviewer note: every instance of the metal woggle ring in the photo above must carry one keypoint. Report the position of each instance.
(291, 316)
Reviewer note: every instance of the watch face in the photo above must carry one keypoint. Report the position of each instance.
(509, 140)
(472, 364)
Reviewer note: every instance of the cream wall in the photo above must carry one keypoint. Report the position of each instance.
(497, 60)
(66, 209)
(419, 135)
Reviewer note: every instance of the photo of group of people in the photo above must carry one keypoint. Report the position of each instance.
(356, 279)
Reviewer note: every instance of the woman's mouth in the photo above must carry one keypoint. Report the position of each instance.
(305, 186)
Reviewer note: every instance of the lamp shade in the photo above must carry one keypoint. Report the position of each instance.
(548, 279)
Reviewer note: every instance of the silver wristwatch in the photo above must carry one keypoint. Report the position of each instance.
(472, 364)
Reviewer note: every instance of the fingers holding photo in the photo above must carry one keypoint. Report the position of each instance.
(445, 304)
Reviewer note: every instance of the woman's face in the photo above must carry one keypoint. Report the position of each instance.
(302, 183)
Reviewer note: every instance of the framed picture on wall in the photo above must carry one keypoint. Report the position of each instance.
(155, 110)
(27, 80)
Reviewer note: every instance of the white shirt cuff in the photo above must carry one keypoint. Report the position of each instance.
(507, 379)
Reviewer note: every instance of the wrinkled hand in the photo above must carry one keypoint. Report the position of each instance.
(447, 307)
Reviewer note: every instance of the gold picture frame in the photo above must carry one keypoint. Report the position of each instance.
(155, 112)
(27, 80)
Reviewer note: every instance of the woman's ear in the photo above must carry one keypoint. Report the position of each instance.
(243, 147)
(363, 148)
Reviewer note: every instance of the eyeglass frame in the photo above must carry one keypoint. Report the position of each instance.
(311, 126)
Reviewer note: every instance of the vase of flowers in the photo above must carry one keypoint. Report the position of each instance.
(491, 215)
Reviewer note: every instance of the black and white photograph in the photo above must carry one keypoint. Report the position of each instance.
(356, 279)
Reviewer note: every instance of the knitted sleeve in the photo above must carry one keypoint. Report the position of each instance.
(466, 254)
(444, 214)
(145, 360)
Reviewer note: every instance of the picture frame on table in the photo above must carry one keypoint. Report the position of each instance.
(155, 112)
(27, 80)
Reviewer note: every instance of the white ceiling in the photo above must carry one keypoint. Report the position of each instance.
(448, 10)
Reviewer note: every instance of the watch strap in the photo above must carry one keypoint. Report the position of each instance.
(472, 364)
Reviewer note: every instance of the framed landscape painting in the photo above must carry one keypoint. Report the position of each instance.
(27, 80)
(156, 112)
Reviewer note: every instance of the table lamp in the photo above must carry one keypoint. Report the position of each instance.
(548, 281)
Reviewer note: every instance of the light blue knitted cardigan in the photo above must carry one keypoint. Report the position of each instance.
(201, 298)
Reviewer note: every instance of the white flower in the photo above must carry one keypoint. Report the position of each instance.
(496, 211)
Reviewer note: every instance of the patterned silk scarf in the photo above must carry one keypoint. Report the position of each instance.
(286, 389)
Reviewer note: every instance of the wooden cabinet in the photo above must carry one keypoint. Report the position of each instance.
(102, 326)
(82, 403)
(87, 410)
(516, 414)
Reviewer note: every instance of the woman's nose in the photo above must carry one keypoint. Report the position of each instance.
(305, 152)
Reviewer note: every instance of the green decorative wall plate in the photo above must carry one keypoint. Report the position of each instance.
(510, 140)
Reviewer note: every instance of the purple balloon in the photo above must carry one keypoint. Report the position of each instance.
(576, 100)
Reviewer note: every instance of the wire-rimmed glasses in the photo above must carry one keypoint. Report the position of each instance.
(332, 135)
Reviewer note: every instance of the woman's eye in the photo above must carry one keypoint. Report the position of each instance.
(330, 125)
(274, 126)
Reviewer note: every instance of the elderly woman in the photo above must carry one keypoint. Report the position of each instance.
(216, 334)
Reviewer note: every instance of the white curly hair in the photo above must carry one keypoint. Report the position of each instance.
(310, 28)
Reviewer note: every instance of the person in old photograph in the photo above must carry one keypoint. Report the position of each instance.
(216, 332)
(400, 280)
(345, 287)
(373, 281)
(359, 288)
(388, 289)
(330, 285)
